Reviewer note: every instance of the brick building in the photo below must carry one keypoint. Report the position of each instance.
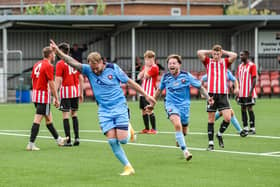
(133, 7)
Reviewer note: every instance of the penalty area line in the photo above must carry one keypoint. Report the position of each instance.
(271, 154)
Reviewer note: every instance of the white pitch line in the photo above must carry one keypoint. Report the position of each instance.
(159, 132)
(272, 153)
(154, 145)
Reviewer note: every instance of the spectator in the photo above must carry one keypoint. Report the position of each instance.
(138, 68)
(160, 67)
(77, 53)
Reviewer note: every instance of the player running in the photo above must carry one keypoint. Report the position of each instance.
(177, 101)
(105, 79)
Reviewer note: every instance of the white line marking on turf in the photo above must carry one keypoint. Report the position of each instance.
(272, 153)
(159, 132)
(154, 145)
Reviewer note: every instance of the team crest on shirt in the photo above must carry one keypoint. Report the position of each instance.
(183, 81)
(175, 84)
(110, 77)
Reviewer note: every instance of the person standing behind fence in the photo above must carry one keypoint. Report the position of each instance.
(148, 76)
(217, 88)
(247, 76)
(42, 80)
(77, 52)
(69, 82)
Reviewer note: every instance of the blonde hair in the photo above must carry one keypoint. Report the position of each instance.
(46, 52)
(149, 54)
(217, 47)
(178, 57)
(94, 57)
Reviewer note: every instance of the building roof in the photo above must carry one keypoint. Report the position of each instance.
(124, 22)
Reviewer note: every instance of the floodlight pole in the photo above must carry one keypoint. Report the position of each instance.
(5, 64)
(249, 6)
(256, 47)
(122, 8)
(133, 55)
(68, 7)
(188, 7)
(21, 6)
(113, 48)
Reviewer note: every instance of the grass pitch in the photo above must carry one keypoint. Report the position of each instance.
(251, 161)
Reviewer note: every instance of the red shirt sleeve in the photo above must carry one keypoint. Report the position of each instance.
(154, 71)
(253, 70)
(206, 61)
(59, 69)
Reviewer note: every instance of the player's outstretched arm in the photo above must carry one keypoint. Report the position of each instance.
(138, 88)
(68, 59)
(205, 94)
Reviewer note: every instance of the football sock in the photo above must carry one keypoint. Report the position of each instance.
(76, 126)
(52, 130)
(153, 121)
(252, 118)
(244, 118)
(235, 123)
(223, 127)
(118, 151)
(67, 129)
(210, 132)
(181, 140)
(34, 132)
(217, 115)
(146, 121)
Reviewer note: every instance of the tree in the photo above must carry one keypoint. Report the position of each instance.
(47, 9)
(237, 8)
(101, 6)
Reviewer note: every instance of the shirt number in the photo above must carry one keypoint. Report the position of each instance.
(37, 70)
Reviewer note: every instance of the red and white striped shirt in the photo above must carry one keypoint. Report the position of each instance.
(245, 74)
(217, 75)
(42, 73)
(70, 80)
(149, 84)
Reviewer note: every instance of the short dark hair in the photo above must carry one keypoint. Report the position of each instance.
(64, 47)
(246, 52)
(178, 57)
